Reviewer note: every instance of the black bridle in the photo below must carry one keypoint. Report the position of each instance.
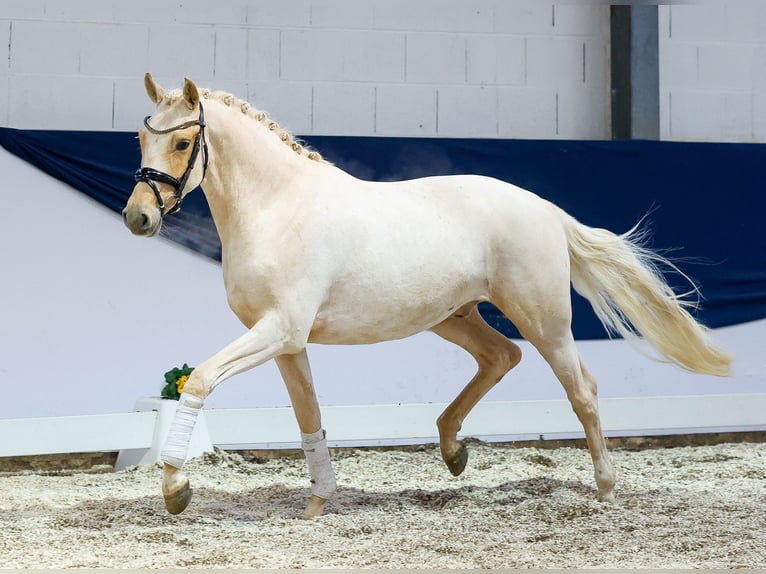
(151, 176)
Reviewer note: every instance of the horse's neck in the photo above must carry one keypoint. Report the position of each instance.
(251, 172)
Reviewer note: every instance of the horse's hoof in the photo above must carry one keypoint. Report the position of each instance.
(457, 462)
(177, 502)
(607, 497)
(314, 508)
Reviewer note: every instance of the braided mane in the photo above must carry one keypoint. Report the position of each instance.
(260, 116)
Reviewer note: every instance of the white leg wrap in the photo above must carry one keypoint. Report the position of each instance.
(318, 460)
(177, 443)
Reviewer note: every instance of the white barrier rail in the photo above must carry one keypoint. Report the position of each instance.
(90, 433)
(381, 425)
(138, 435)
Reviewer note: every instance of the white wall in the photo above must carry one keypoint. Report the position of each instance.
(478, 68)
(713, 71)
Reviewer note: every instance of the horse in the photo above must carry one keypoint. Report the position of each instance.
(311, 254)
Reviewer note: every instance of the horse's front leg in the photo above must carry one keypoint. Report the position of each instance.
(267, 339)
(296, 373)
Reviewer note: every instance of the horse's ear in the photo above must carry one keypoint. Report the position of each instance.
(153, 89)
(191, 94)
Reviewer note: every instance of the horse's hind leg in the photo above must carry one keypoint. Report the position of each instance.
(495, 355)
(561, 354)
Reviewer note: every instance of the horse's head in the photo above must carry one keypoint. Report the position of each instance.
(173, 157)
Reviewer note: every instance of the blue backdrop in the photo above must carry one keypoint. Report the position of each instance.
(706, 199)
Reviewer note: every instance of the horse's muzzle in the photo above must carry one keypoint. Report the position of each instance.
(141, 222)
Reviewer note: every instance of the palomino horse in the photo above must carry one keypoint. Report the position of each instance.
(312, 254)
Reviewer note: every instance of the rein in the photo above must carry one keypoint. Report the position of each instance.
(152, 177)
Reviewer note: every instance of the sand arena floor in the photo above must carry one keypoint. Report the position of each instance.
(683, 507)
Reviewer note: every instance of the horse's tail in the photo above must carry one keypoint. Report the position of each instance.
(622, 282)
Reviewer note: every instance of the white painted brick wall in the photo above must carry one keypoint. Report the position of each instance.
(291, 103)
(467, 111)
(496, 59)
(458, 68)
(344, 109)
(44, 102)
(231, 54)
(29, 56)
(292, 14)
(342, 56)
(523, 18)
(111, 39)
(131, 111)
(5, 46)
(713, 71)
(181, 50)
(263, 55)
(759, 120)
(435, 15)
(4, 91)
(449, 68)
(416, 118)
(343, 14)
(526, 112)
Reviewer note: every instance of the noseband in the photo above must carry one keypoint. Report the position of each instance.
(151, 176)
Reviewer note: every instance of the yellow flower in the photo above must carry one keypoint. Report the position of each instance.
(181, 382)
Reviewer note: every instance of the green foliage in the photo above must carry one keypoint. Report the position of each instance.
(174, 381)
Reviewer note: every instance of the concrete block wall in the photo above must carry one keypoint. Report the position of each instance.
(452, 68)
(713, 71)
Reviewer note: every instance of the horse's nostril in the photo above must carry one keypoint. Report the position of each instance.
(144, 220)
(124, 217)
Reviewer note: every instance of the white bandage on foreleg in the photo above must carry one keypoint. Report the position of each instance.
(318, 460)
(177, 443)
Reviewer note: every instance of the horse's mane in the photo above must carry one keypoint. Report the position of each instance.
(258, 115)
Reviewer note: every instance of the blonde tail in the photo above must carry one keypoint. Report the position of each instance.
(621, 281)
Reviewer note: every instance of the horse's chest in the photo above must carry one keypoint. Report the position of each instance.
(249, 294)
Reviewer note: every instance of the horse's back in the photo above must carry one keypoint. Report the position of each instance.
(478, 220)
(458, 204)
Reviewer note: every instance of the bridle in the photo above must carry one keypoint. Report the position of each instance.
(151, 176)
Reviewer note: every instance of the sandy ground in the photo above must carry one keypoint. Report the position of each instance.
(701, 507)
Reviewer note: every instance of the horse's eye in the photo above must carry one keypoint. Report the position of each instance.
(183, 145)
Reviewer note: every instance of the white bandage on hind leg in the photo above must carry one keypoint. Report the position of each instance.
(318, 460)
(176, 445)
